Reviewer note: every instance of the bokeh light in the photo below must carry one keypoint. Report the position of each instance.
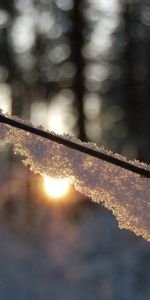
(56, 188)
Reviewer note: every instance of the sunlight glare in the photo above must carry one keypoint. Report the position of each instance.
(5, 97)
(56, 187)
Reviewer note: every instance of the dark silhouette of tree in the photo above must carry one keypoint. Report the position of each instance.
(129, 91)
(137, 102)
(77, 42)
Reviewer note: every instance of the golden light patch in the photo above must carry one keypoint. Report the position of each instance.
(56, 188)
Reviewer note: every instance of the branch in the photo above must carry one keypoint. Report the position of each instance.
(75, 146)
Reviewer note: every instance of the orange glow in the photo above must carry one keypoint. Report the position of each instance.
(56, 188)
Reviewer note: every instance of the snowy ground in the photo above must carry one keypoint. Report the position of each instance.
(72, 256)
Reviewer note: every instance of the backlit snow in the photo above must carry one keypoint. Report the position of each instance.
(125, 193)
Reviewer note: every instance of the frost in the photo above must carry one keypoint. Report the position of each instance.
(125, 193)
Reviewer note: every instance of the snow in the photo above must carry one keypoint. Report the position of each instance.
(125, 193)
(68, 259)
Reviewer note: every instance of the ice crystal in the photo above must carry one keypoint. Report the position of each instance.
(125, 193)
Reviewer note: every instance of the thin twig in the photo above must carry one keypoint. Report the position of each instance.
(73, 145)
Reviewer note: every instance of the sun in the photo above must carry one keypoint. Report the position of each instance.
(56, 188)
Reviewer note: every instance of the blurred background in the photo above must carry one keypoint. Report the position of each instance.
(83, 68)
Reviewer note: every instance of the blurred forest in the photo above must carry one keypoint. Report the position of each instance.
(86, 62)
(80, 67)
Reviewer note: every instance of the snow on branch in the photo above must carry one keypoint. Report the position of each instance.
(125, 193)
